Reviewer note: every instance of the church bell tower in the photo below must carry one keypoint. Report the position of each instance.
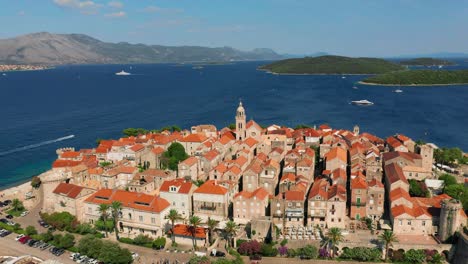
(240, 122)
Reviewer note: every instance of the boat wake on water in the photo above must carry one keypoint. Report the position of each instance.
(36, 145)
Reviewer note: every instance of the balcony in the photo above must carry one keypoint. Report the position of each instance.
(358, 204)
(208, 208)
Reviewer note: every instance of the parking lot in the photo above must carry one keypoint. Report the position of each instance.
(10, 247)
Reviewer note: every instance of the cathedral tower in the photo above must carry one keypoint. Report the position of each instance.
(240, 123)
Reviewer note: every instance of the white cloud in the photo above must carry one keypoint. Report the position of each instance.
(116, 15)
(157, 9)
(85, 7)
(115, 4)
(21, 13)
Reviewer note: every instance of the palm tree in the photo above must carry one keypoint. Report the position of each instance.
(194, 222)
(212, 225)
(104, 211)
(173, 216)
(388, 238)
(230, 230)
(334, 237)
(116, 206)
(17, 205)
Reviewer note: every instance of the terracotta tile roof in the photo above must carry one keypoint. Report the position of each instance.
(262, 156)
(211, 155)
(222, 168)
(156, 173)
(183, 186)
(272, 163)
(185, 231)
(410, 156)
(337, 152)
(138, 201)
(256, 166)
(375, 183)
(337, 190)
(310, 132)
(96, 171)
(399, 193)
(194, 138)
(393, 142)
(416, 211)
(288, 177)
(190, 161)
(294, 195)
(324, 126)
(372, 138)
(235, 170)
(225, 139)
(137, 147)
(157, 150)
(260, 194)
(305, 163)
(65, 163)
(394, 173)
(358, 183)
(254, 124)
(70, 155)
(241, 160)
(402, 138)
(211, 187)
(127, 169)
(69, 190)
(250, 142)
(102, 149)
(431, 202)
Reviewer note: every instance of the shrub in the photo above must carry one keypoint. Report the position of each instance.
(324, 253)
(292, 253)
(308, 251)
(283, 251)
(249, 248)
(268, 250)
(36, 182)
(60, 221)
(415, 256)
(30, 230)
(126, 240)
(284, 242)
(141, 240)
(361, 254)
(159, 243)
(240, 241)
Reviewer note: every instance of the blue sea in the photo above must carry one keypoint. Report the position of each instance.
(41, 110)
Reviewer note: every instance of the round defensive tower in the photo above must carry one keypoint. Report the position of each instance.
(449, 218)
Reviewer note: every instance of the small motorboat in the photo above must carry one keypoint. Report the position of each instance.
(355, 87)
(398, 91)
(362, 102)
(122, 73)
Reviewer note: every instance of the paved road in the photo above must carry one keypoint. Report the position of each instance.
(9, 247)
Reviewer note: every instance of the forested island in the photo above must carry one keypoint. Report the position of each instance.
(420, 77)
(426, 62)
(332, 65)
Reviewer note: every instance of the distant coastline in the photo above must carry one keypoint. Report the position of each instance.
(409, 85)
(344, 74)
(15, 68)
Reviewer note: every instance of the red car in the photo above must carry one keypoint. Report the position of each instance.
(24, 239)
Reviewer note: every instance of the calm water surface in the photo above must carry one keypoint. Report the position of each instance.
(90, 102)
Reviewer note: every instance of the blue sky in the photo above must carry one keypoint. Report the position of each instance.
(347, 27)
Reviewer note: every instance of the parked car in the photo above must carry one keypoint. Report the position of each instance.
(24, 213)
(9, 216)
(24, 239)
(31, 242)
(4, 220)
(135, 255)
(19, 237)
(11, 223)
(218, 254)
(7, 202)
(4, 233)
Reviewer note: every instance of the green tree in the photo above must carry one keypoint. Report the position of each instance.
(142, 240)
(133, 132)
(388, 238)
(415, 188)
(17, 205)
(308, 251)
(455, 191)
(415, 256)
(212, 225)
(60, 221)
(104, 211)
(194, 222)
(174, 154)
(334, 237)
(116, 208)
(30, 230)
(67, 241)
(173, 216)
(199, 260)
(47, 236)
(159, 243)
(36, 182)
(448, 179)
(268, 250)
(111, 253)
(232, 126)
(90, 246)
(230, 231)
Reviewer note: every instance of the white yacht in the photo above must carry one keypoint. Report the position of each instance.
(362, 102)
(122, 72)
(355, 87)
(398, 91)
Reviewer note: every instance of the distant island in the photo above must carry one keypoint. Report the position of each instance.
(57, 49)
(332, 65)
(426, 62)
(420, 77)
(14, 67)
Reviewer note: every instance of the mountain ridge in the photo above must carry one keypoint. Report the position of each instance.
(58, 49)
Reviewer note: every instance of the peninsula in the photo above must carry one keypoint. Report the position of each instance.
(426, 62)
(332, 65)
(420, 77)
(14, 67)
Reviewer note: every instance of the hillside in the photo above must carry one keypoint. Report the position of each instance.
(54, 49)
(332, 65)
(425, 62)
(420, 77)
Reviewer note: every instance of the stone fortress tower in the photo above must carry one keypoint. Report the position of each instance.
(450, 218)
(427, 154)
(240, 123)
